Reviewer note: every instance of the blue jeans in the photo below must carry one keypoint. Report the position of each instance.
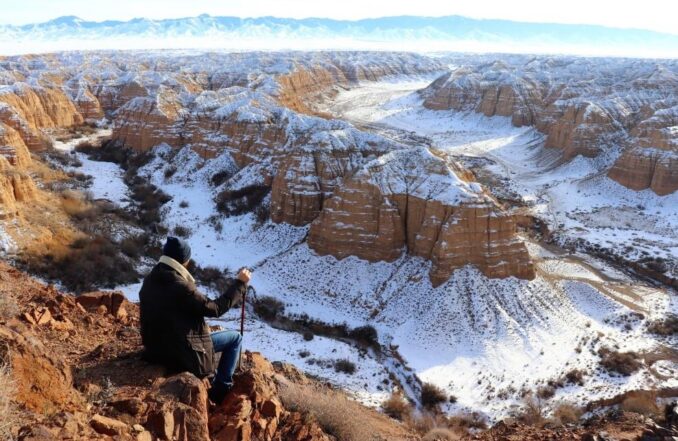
(228, 344)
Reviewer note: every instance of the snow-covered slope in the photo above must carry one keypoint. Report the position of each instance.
(401, 33)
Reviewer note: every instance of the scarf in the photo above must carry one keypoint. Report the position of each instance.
(176, 266)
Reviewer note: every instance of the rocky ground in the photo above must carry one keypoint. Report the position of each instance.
(71, 380)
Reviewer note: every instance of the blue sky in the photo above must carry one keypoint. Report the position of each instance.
(658, 15)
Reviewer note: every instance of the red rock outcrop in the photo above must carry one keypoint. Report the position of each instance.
(27, 109)
(413, 201)
(643, 168)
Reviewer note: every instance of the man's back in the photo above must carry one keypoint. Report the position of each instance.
(171, 328)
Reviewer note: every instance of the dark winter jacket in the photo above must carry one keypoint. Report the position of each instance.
(173, 327)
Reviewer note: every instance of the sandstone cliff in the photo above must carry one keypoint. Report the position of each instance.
(586, 109)
(413, 201)
(28, 109)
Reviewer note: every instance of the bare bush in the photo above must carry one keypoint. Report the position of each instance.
(567, 414)
(666, 327)
(532, 412)
(269, 308)
(624, 363)
(344, 365)
(575, 376)
(241, 201)
(396, 406)
(432, 395)
(366, 335)
(181, 231)
(334, 412)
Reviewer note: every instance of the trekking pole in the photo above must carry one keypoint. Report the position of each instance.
(242, 327)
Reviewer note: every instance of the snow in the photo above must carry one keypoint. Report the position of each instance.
(107, 177)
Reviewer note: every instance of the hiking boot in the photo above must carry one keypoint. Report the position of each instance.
(218, 392)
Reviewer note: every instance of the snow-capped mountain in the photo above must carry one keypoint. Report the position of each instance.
(428, 34)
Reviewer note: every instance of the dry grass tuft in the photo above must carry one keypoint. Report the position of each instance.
(441, 434)
(334, 412)
(641, 402)
(623, 363)
(396, 406)
(567, 413)
(8, 307)
(8, 415)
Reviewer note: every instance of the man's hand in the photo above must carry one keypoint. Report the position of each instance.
(244, 275)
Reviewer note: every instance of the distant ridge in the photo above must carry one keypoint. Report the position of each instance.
(412, 33)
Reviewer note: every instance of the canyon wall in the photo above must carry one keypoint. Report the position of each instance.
(586, 109)
(414, 202)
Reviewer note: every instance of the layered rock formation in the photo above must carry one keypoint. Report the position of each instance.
(584, 107)
(413, 201)
(28, 109)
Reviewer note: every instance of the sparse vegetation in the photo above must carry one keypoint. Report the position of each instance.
(641, 402)
(344, 365)
(8, 416)
(334, 412)
(441, 434)
(220, 177)
(91, 262)
(665, 327)
(216, 279)
(181, 231)
(567, 414)
(241, 201)
(366, 335)
(532, 411)
(8, 307)
(575, 376)
(397, 407)
(269, 308)
(432, 395)
(623, 363)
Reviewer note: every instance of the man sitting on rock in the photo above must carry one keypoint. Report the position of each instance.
(173, 327)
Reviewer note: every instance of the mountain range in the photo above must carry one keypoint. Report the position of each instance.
(414, 33)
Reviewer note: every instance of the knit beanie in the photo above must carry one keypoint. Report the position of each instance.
(177, 249)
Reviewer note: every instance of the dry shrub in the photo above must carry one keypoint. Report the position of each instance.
(396, 406)
(575, 376)
(269, 308)
(334, 412)
(666, 327)
(624, 363)
(532, 412)
(546, 392)
(91, 263)
(567, 413)
(241, 201)
(345, 365)
(462, 423)
(641, 402)
(181, 231)
(8, 416)
(441, 434)
(432, 395)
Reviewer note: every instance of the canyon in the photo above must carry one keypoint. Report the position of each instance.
(499, 220)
